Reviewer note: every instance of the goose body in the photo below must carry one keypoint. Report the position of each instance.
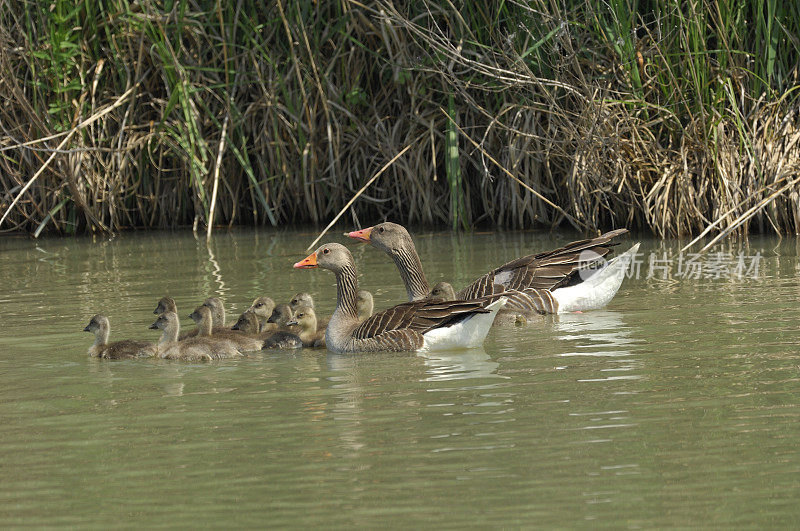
(531, 282)
(127, 348)
(411, 326)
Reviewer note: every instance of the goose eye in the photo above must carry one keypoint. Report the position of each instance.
(294, 301)
(381, 229)
(259, 305)
(326, 251)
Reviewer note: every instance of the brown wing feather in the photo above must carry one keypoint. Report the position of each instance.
(543, 271)
(420, 316)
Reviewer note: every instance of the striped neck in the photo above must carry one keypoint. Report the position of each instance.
(347, 291)
(407, 261)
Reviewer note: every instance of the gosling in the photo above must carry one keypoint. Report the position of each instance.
(127, 348)
(263, 307)
(309, 334)
(190, 349)
(202, 316)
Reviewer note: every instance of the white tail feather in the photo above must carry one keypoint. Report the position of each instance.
(596, 291)
(468, 333)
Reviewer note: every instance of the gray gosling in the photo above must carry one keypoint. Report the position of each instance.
(263, 307)
(202, 316)
(306, 319)
(127, 348)
(190, 349)
(365, 304)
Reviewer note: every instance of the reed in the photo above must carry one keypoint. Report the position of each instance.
(674, 117)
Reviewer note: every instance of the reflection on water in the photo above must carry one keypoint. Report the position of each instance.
(676, 405)
(459, 365)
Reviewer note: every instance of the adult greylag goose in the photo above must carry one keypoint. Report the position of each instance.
(202, 316)
(127, 348)
(309, 334)
(190, 349)
(557, 281)
(417, 325)
(263, 307)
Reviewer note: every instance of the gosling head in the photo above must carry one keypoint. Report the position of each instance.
(301, 299)
(100, 326)
(247, 323)
(389, 237)
(203, 318)
(281, 315)
(442, 291)
(217, 310)
(262, 307)
(165, 321)
(165, 304)
(97, 323)
(306, 318)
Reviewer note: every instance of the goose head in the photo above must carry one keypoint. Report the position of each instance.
(332, 256)
(388, 237)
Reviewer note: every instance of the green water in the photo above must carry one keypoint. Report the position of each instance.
(679, 405)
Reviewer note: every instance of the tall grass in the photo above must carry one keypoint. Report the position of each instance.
(663, 115)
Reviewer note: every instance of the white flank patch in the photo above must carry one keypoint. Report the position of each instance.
(468, 333)
(597, 290)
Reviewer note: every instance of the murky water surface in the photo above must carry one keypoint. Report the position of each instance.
(679, 405)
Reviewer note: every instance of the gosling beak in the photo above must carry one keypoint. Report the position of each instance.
(153, 326)
(87, 329)
(156, 312)
(292, 322)
(309, 262)
(235, 327)
(360, 235)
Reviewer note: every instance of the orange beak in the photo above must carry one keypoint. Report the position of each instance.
(309, 262)
(360, 235)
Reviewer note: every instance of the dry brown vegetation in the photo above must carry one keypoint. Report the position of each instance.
(677, 117)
